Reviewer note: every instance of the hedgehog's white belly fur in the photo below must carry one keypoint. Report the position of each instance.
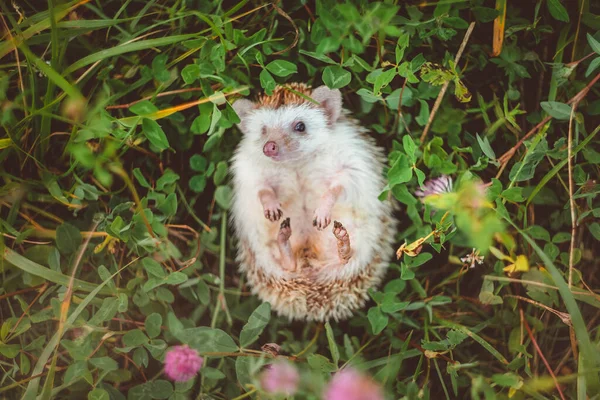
(321, 287)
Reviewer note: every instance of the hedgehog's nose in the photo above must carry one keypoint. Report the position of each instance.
(271, 149)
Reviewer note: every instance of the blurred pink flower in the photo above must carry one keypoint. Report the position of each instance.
(280, 377)
(182, 363)
(350, 384)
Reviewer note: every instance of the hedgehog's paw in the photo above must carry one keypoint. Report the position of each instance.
(322, 217)
(272, 211)
(285, 248)
(343, 242)
(285, 231)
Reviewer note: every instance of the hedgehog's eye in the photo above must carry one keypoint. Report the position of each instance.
(300, 127)
(263, 130)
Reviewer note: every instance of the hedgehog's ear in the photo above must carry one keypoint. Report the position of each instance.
(242, 108)
(331, 101)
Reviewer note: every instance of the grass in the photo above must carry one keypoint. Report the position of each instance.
(117, 132)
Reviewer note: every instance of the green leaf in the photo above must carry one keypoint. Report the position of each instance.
(161, 389)
(594, 44)
(10, 350)
(420, 176)
(406, 273)
(267, 82)
(409, 148)
(378, 319)
(593, 66)
(167, 179)
(257, 322)
(213, 373)
(153, 267)
(98, 394)
(320, 57)
(143, 107)
(198, 183)
(594, 229)
(319, 363)
(281, 68)
(207, 340)
(557, 10)
(400, 172)
(176, 278)
(190, 73)
(169, 206)
(198, 163)
(152, 325)
(401, 193)
(104, 363)
(556, 109)
(507, 380)
(220, 173)
(244, 371)
(423, 116)
(140, 357)
(155, 134)
(333, 348)
(201, 123)
(223, 196)
(134, 338)
(394, 306)
(107, 311)
(140, 178)
(525, 169)
(383, 80)
(486, 147)
(401, 45)
(68, 238)
(336, 77)
(514, 194)
(159, 68)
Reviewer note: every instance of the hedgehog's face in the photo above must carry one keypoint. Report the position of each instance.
(290, 132)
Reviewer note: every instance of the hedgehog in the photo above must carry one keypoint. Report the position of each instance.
(313, 235)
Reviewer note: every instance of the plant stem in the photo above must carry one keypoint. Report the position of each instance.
(438, 101)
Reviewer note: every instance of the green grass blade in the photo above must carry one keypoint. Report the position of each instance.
(54, 76)
(591, 357)
(60, 12)
(126, 48)
(33, 268)
(559, 166)
(476, 338)
(33, 385)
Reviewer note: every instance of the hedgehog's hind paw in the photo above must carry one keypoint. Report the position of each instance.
(285, 248)
(343, 242)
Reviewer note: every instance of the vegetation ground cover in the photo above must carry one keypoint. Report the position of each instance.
(117, 131)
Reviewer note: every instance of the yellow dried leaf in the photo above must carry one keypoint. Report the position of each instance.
(521, 264)
(412, 250)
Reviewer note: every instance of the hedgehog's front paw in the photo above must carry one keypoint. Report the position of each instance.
(322, 218)
(273, 211)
